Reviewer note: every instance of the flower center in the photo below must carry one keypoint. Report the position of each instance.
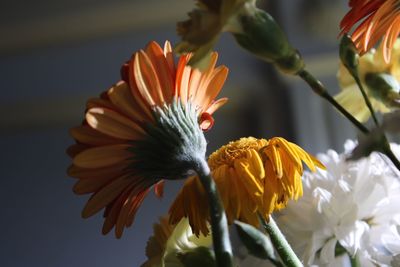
(227, 154)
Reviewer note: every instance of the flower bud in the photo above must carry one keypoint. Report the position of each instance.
(349, 55)
(382, 86)
(255, 241)
(262, 36)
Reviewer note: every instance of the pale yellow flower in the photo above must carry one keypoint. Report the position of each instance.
(370, 63)
(169, 241)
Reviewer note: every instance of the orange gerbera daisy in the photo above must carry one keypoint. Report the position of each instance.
(146, 128)
(379, 18)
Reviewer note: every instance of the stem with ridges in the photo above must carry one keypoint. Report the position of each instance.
(355, 261)
(219, 223)
(283, 248)
(319, 89)
(366, 98)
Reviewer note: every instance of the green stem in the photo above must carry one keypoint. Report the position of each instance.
(320, 90)
(283, 248)
(389, 153)
(366, 98)
(219, 223)
(355, 261)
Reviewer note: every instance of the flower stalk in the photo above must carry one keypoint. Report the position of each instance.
(320, 90)
(355, 261)
(219, 223)
(283, 248)
(366, 98)
(350, 59)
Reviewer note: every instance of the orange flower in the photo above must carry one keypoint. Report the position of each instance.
(379, 18)
(144, 129)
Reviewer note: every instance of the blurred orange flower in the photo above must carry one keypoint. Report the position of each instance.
(137, 132)
(377, 19)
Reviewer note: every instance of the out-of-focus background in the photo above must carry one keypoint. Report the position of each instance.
(56, 54)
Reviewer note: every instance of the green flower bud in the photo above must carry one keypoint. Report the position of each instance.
(382, 86)
(349, 55)
(262, 36)
(255, 241)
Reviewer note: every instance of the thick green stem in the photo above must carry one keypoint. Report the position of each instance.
(320, 90)
(355, 261)
(283, 248)
(219, 223)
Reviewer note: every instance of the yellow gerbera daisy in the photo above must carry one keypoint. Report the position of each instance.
(372, 63)
(144, 129)
(253, 176)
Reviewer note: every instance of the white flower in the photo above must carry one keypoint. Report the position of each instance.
(352, 206)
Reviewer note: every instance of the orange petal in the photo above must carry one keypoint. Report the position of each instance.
(86, 186)
(147, 80)
(121, 96)
(216, 105)
(169, 55)
(159, 189)
(84, 173)
(113, 210)
(98, 102)
(87, 135)
(211, 88)
(105, 196)
(104, 156)
(162, 70)
(75, 149)
(128, 210)
(113, 124)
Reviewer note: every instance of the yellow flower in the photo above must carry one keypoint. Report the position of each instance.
(253, 176)
(146, 128)
(206, 23)
(371, 63)
(170, 242)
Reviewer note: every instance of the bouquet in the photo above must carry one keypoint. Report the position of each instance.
(250, 203)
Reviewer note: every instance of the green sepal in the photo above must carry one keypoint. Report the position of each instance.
(256, 242)
(172, 145)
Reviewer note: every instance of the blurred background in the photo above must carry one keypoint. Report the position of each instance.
(56, 54)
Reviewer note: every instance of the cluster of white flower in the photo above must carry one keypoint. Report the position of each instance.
(351, 210)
